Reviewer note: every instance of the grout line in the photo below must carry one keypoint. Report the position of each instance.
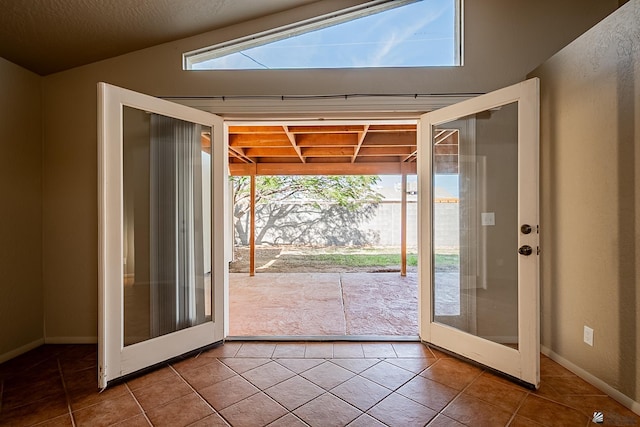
(144, 413)
(66, 393)
(513, 416)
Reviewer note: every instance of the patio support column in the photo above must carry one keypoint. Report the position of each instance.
(403, 228)
(252, 227)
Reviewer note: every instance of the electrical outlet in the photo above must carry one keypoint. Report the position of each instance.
(588, 335)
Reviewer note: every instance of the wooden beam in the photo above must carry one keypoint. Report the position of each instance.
(292, 140)
(386, 151)
(270, 152)
(239, 153)
(403, 228)
(327, 129)
(328, 151)
(252, 230)
(259, 140)
(348, 168)
(361, 137)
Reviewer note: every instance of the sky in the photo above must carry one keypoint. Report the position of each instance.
(417, 34)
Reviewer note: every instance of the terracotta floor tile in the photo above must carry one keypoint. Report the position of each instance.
(427, 392)
(257, 410)
(137, 421)
(327, 411)
(207, 375)
(162, 374)
(504, 396)
(241, 364)
(452, 372)
(161, 392)
(227, 392)
(228, 349)
(86, 394)
(319, 351)
(397, 410)
(19, 396)
(549, 367)
(355, 365)
(550, 413)
(213, 420)
(415, 365)
(411, 349)
(191, 362)
(288, 420)
(361, 392)
(294, 392)
(365, 420)
(299, 365)
(62, 421)
(180, 412)
(107, 412)
(327, 375)
(35, 412)
(289, 351)
(471, 411)
(267, 375)
(264, 350)
(388, 375)
(519, 421)
(378, 350)
(347, 350)
(572, 385)
(614, 413)
(444, 421)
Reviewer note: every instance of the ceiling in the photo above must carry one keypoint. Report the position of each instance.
(47, 36)
(354, 149)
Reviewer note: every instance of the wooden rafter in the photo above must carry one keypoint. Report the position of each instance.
(361, 137)
(292, 140)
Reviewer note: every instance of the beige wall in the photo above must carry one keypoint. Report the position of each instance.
(503, 41)
(590, 160)
(21, 306)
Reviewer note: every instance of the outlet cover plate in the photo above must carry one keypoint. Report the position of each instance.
(588, 335)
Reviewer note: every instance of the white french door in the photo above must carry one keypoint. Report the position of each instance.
(478, 271)
(162, 178)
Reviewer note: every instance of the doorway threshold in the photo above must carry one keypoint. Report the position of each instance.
(323, 338)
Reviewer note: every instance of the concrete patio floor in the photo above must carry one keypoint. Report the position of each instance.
(323, 304)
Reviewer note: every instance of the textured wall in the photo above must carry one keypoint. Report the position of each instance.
(21, 307)
(590, 231)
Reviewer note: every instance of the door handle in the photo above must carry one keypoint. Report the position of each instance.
(525, 229)
(525, 250)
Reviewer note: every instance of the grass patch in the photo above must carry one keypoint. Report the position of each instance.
(377, 260)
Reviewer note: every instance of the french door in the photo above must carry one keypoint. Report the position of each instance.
(478, 272)
(162, 181)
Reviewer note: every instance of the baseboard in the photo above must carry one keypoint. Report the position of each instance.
(20, 350)
(71, 340)
(595, 381)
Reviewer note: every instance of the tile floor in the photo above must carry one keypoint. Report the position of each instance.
(294, 384)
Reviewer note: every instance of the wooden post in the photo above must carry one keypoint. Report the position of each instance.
(252, 228)
(403, 228)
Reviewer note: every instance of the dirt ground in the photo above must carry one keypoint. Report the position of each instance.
(297, 259)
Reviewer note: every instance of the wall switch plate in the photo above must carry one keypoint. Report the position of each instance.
(588, 335)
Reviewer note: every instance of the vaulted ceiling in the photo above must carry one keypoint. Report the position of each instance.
(46, 36)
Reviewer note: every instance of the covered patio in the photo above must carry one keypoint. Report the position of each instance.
(323, 305)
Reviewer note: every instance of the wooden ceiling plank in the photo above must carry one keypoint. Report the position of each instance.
(327, 151)
(385, 151)
(327, 139)
(271, 152)
(259, 140)
(390, 138)
(331, 129)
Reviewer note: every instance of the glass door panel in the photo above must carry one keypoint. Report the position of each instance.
(162, 185)
(478, 269)
(475, 229)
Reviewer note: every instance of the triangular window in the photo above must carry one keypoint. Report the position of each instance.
(395, 33)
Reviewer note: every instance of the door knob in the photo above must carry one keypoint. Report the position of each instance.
(525, 250)
(525, 229)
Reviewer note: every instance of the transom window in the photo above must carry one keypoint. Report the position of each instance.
(391, 33)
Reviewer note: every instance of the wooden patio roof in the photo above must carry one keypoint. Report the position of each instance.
(374, 149)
